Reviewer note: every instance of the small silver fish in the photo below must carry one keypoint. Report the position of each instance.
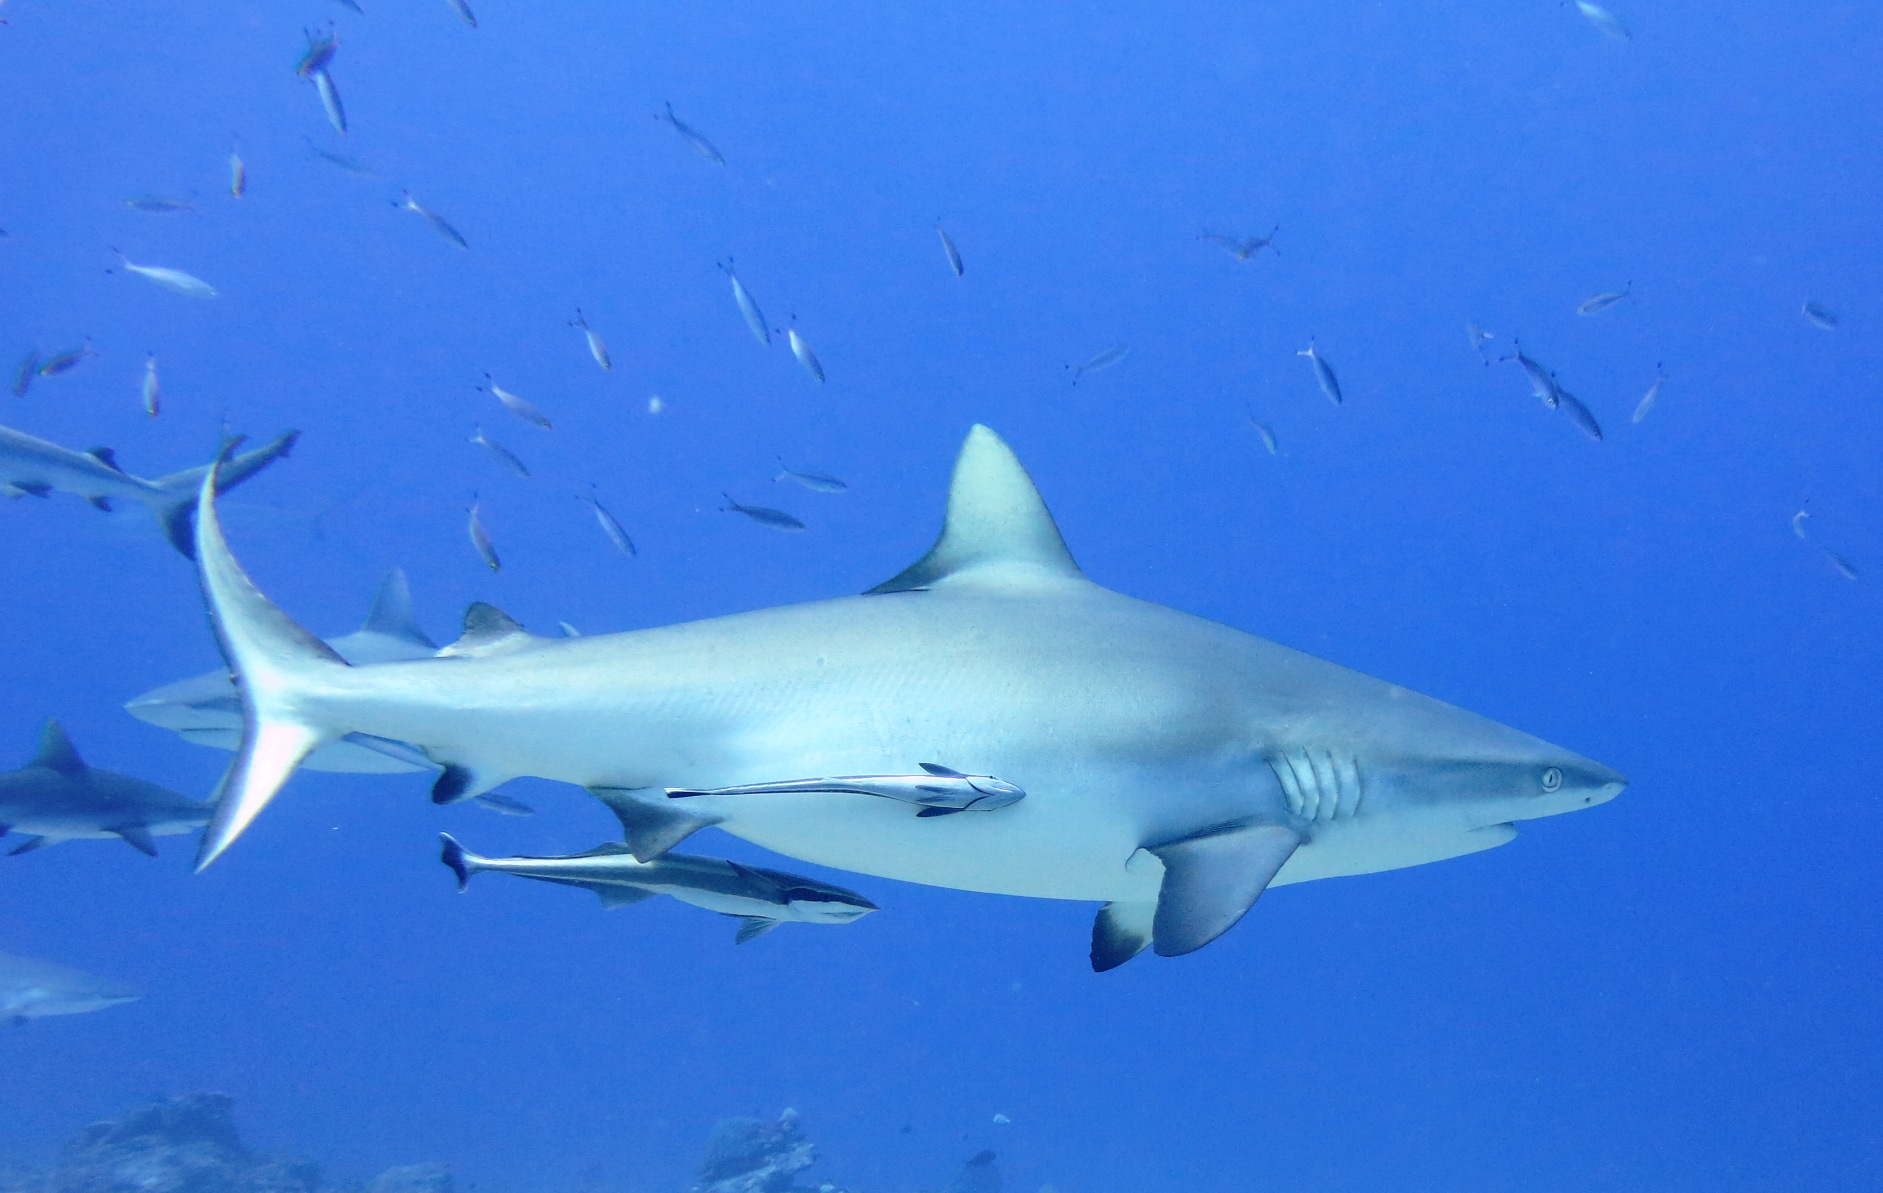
(351, 165)
(1099, 361)
(1798, 523)
(1542, 381)
(763, 515)
(1604, 20)
(1822, 318)
(691, 136)
(330, 101)
(1243, 248)
(1268, 436)
(817, 482)
(481, 541)
(438, 223)
(949, 251)
(1601, 302)
(754, 318)
(23, 376)
(321, 48)
(504, 455)
(517, 406)
(152, 205)
(1647, 399)
(1323, 373)
(596, 348)
(64, 362)
(463, 10)
(169, 279)
(805, 356)
(1579, 414)
(238, 174)
(152, 395)
(1844, 567)
(610, 527)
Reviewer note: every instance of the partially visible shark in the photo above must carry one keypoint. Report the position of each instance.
(32, 466)
(1174, 768)
(56, 797)
(31, 989)
(759, 898)
(207, 709)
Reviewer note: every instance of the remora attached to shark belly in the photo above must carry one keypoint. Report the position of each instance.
(1174, 768)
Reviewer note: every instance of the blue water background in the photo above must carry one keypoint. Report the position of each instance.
(1675, 991)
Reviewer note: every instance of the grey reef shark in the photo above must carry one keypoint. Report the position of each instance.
(31, 466)
(56, 797)
(1173, 768)
(34, 989)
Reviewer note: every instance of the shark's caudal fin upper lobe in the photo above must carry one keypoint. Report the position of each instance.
(276, 664)
(176, 497)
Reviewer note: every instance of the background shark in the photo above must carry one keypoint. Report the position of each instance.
(32, 989)
(29, 465)
(56, 797)
(1175, 767)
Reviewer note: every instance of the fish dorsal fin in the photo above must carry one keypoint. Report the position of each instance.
(488, 630)
(391, 614)
(56, 752)
(107, 457)
(997, 527)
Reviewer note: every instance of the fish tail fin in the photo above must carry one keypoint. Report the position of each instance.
(174, 502)
(462, 861)
(279, 667)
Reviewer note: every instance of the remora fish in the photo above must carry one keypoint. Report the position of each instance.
(151, 393)
(691, 136)
(65, 362)
(330, 101)
(504, 455)
(939, 791)
(1542, 381)
(480, 539)
(1820, 317)
(33, 989)
(754, 318)
(1244, 248)
(596, 348)
(950, 252)
(34, 466)
(1174, 767)
(1323, 373)
(437, 223)
(169, 279)
(610, 527)
(1098, 361)
(817, 482)
(238, 174)
(23, 376)
(1647, 399)
(55, 797)
(206, 709)
(762, 514)
(759, 898)
(805, 356)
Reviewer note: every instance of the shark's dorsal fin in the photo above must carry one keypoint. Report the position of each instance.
(56, 751)
(996, 525)
(487, 630)
(391, 614)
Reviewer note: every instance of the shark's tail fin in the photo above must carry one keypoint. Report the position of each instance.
(462, 861)
(278, 666)
(174, 502)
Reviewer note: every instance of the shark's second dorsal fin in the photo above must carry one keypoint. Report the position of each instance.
(996, 524)
(56, 751)
(107, 457)
(391, 614)
(488, 630)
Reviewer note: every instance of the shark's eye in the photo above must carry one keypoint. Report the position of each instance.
(1552, 778)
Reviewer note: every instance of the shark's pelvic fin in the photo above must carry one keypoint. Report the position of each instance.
(27, 845)
(391, 614)
(56, 751)
(275, 662)
(996, 524)
(1121, 932)
(138, 837)
(650, 822)
(488, 630)
(1211, 879)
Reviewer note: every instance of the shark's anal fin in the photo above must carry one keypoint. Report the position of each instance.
(138, 837)
(1121, 932)
(650, 822)
(996, 524)
(1211, 879)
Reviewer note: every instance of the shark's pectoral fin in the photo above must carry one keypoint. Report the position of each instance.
(1211, 879)
(751, 927)
(138, 837)
(650, 822)
(1121, 932)
(27, 845)
(996, 525)
(613, 895)
(32, 489)
(100, 503)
